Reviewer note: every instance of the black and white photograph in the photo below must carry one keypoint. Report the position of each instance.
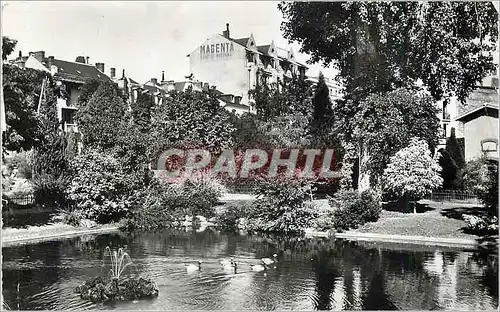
(250, 155)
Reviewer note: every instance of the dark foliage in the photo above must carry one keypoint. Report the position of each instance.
(141, 111)
(102, 117)
(454, 150)
(281, 208)
(489, 196)
(371, 45)
(8, 46)
(449, 172)
(21, 93)
(352, 209)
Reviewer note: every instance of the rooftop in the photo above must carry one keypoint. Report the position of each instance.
(76, 71)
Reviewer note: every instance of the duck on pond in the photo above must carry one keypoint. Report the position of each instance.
(258, 267)
(194, 267)
(268, 261)
(227, 263)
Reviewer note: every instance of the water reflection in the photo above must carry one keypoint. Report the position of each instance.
(321, 274)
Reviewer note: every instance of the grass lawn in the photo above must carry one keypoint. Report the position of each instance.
(436, 220)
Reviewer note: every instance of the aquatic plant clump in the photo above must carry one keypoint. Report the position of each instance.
(116, 287)
(98, 290)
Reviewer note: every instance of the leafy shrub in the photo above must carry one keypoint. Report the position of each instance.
(163, 205)
(73, 218)
(199, 198)
(282, 207)
(480, 225)
(352, 209)
(412, 172)
(474, 175)
(228, 220)
(488, 194)
(100, 188)
(49, 191)
(18, 163)
(324, 222)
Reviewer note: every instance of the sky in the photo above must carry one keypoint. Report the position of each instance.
(143, 38)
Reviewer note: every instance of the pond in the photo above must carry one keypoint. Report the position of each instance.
(310, 273)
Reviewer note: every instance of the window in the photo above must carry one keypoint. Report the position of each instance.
(250, 57)
(489, 145)
(444, 130)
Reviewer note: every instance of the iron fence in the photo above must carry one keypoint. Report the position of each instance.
(22, 210)
(18, 200)
(454, 196)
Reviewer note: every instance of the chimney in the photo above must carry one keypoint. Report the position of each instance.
(100, 66)
(39, 55)
(162, 76)
(87, 62)
(50, 62)
(20, 54)
(123, 73)
(226, 32)
(154, 81)
(112, 72)
(80, 59)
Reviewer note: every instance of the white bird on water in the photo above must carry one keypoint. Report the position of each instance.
(269, 261)
(194, 267)
(227, 263)
(258, 267)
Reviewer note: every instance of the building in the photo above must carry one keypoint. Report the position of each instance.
(237, 65)
(69, 76)
(476, 120)
(129, 86)
(480, 130)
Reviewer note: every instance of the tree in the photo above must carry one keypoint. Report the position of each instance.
(101, 118)
(141, 111)
(191, 118)
(322, 124)
(288, 131)
(8, 46)
(246, 132)
(49, 156)
(454, 150)
(100, 187)
(21, 93)
(474, 175)
(288, 96)
(50, 145)
(321, 101)
(450, 170)
(86, 91)
(412, 173)
(489, 193)
(382, 46)
(386, 121)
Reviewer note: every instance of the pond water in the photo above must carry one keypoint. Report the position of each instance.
(311, 273)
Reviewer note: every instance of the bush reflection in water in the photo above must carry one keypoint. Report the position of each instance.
(311, 273)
